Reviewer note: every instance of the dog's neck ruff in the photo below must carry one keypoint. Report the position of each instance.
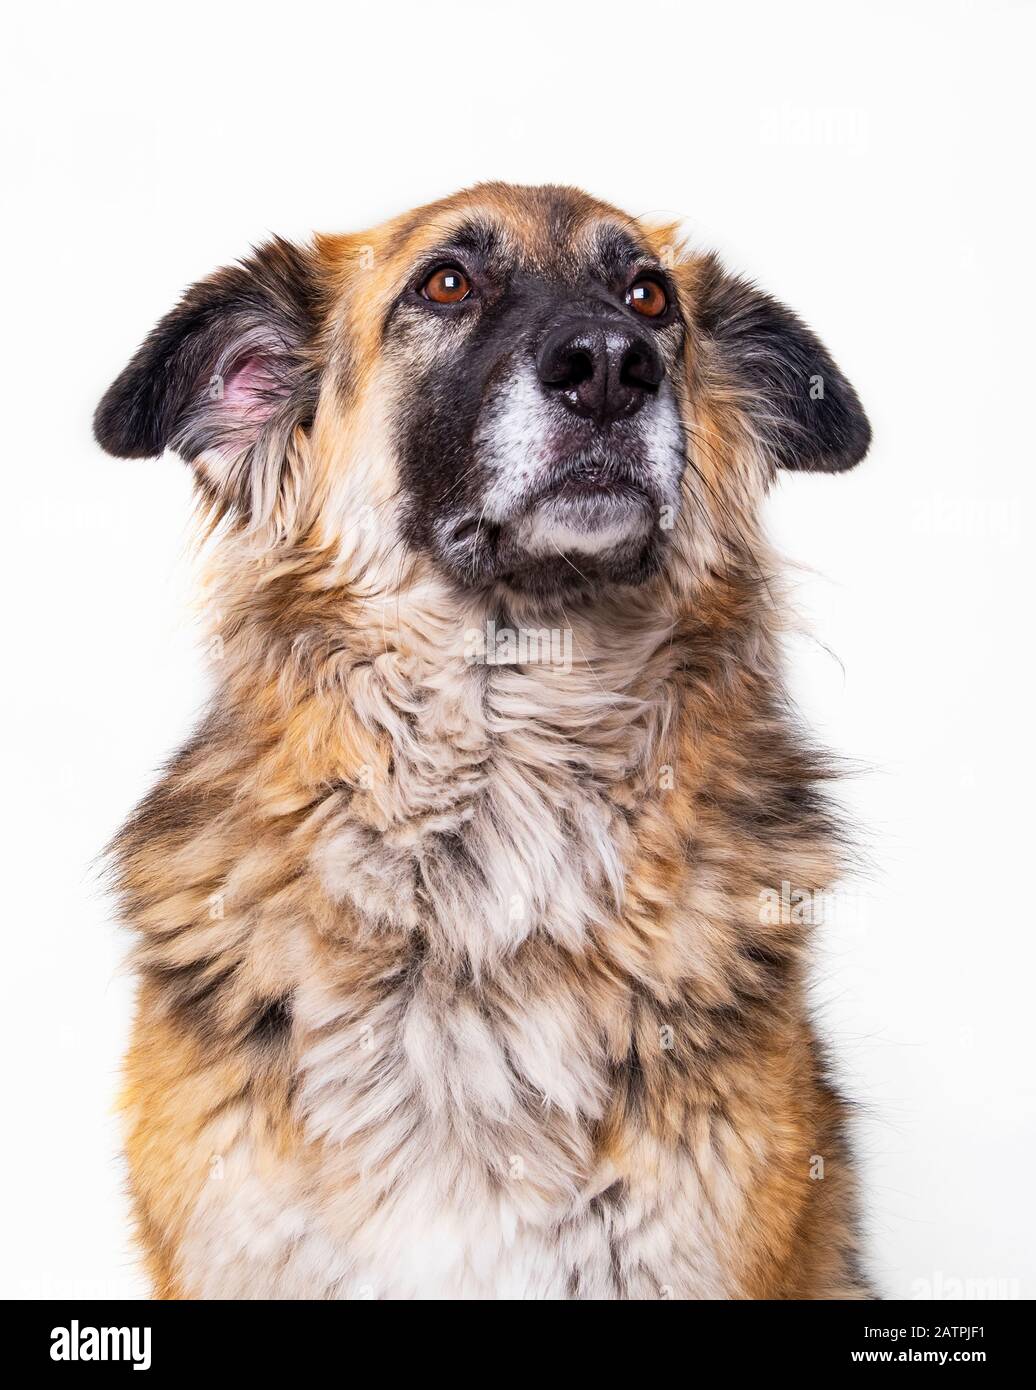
(516, 753)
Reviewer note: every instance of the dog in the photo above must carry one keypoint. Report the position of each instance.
(457, 977)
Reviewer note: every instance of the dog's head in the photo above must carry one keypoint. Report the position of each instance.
(526, 388)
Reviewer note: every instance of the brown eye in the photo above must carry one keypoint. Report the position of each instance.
(648, 298)
(447, 285)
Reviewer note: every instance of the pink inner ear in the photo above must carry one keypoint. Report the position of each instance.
(247, 388)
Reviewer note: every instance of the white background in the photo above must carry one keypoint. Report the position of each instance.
(871, 165)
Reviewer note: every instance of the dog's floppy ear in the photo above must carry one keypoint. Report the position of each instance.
(799, 406)
(230, 366)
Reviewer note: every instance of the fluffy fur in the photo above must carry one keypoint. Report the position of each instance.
(454, 977)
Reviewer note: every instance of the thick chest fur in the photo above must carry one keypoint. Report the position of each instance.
(461, 1142)
(518, 1032)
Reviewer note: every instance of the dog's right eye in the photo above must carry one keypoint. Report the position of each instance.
(447, 285)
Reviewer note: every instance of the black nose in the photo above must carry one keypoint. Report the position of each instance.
(600, 368)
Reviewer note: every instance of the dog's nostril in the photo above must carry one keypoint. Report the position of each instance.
(567, 367)
(640, 370)
(579, 368)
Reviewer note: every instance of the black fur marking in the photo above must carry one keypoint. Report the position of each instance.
(804, 409)
(614, 252)
(612, 1196)
(478, 239)
(774, 965)
(435, 438)
(194, 993)
(626, 1076)
(272, 1024)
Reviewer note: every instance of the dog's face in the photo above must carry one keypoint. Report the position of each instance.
(525, 387)
(538, 421)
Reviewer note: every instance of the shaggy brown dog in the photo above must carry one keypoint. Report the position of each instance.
(459, 976)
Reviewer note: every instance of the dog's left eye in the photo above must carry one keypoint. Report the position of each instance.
(647, 297)
(447, 285)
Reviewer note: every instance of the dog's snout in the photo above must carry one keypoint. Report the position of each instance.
(601, 370)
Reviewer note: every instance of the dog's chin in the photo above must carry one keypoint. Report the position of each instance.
(570, 543)
(582, 519)
(579, 576)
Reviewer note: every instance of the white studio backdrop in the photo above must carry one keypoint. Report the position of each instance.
(868, 163)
